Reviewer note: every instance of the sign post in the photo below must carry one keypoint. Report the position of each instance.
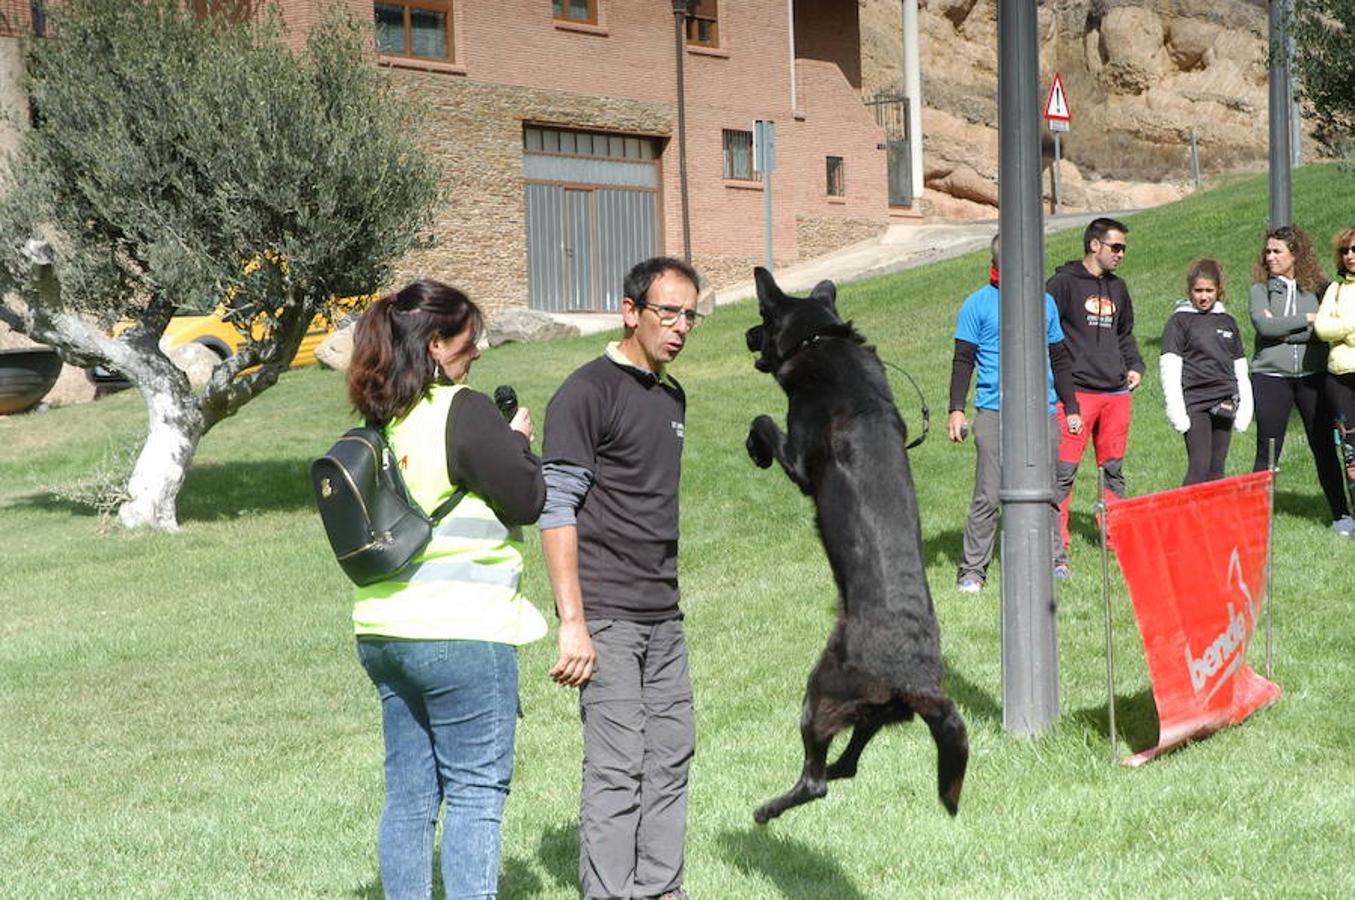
(764, 162)
(1056, 113)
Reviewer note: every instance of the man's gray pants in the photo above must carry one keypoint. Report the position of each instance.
(980, 531)
(639, 734)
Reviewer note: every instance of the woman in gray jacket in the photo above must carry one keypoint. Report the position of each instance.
(1290, 361)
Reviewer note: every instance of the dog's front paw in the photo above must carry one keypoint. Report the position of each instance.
(759, 443)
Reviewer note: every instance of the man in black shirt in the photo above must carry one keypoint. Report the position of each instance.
(1098, 325)
(612, 452)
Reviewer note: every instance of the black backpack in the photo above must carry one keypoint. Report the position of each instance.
(373, 525)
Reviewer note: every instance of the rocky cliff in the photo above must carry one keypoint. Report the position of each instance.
(1139, 74)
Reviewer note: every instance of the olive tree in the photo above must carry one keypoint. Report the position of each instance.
(176, 162)
(1324, 35)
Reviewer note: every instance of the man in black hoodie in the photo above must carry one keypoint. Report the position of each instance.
(1098, 325)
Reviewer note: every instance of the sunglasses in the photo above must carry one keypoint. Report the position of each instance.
(1116, 248)
(669, 314)
(1344, 250)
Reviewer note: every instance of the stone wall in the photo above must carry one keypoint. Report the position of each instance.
(817, 235)
(474, 139)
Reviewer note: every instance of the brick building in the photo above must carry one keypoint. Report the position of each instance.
(553, 124)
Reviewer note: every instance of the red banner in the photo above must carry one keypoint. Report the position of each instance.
(1194, 560)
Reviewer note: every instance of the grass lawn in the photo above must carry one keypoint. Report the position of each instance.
(183, 715)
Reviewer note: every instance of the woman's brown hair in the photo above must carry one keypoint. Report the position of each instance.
(1208, 269)
(1307, 270)
(1341, 240)
(391, 367)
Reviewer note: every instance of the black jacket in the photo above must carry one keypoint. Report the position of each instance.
(1208, 344)
(1098, 326)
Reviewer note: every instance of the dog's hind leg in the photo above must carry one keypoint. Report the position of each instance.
(952, 748)
(845, 765)
(817, 727)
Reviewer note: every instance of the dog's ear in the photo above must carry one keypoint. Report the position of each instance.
(825, 292)
(767, 291)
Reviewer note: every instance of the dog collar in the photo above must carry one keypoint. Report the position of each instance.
(807, 342)
(828, 331)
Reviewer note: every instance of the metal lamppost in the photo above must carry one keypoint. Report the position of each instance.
(1281, 100)
(1030, 660)
(680, 52)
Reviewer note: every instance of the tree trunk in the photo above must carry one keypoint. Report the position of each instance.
(175, 427)
(176, 421)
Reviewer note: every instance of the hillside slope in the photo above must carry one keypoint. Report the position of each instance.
(1139, 75)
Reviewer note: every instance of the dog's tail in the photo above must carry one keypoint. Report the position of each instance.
(952, 750)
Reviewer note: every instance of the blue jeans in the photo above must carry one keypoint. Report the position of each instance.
(448, 714)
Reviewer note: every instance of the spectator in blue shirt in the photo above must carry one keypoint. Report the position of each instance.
(978, 346)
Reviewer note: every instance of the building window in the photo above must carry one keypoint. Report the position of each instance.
(586, 143)
(837, 179)
(417, 28)
(585, 11)
(738, 154)
(703, 23)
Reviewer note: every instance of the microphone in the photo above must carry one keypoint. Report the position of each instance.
(506, 399)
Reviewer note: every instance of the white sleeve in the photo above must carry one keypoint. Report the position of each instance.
(1169, 366)
(1245, 408)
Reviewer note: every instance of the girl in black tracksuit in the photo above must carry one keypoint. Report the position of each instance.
(1204, 373)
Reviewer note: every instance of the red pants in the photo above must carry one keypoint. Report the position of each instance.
(1105, 422)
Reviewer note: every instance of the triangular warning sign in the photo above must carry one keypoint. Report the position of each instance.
(1056, 105)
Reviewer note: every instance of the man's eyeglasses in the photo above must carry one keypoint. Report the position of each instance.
(669, 314)
(1116, 247)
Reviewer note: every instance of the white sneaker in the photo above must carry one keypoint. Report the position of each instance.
(969, 584)
(1344, 526)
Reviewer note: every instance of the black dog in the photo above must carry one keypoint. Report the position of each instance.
(845, 448)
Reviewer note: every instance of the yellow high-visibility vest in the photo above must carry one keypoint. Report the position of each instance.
(464, 585)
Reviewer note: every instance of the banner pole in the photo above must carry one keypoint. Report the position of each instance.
(1270, 545)
(1105, 597)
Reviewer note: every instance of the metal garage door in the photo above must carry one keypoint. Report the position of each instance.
(592, 213)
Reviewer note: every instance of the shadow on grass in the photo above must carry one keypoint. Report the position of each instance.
(1303, 506)
(516, 879)
(1084, 525)
(1135, 720)
(944, 546)
(215, 491)
(948, 546)
(558, 854)
(799, 871)
(46, 501)
(974, 700)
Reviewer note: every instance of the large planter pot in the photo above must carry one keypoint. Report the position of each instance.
(26, 375)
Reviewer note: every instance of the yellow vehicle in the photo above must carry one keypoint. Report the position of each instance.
(214, 332)
(222, 338)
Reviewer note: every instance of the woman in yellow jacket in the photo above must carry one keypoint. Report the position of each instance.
(439, 639)
(1335, 324)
